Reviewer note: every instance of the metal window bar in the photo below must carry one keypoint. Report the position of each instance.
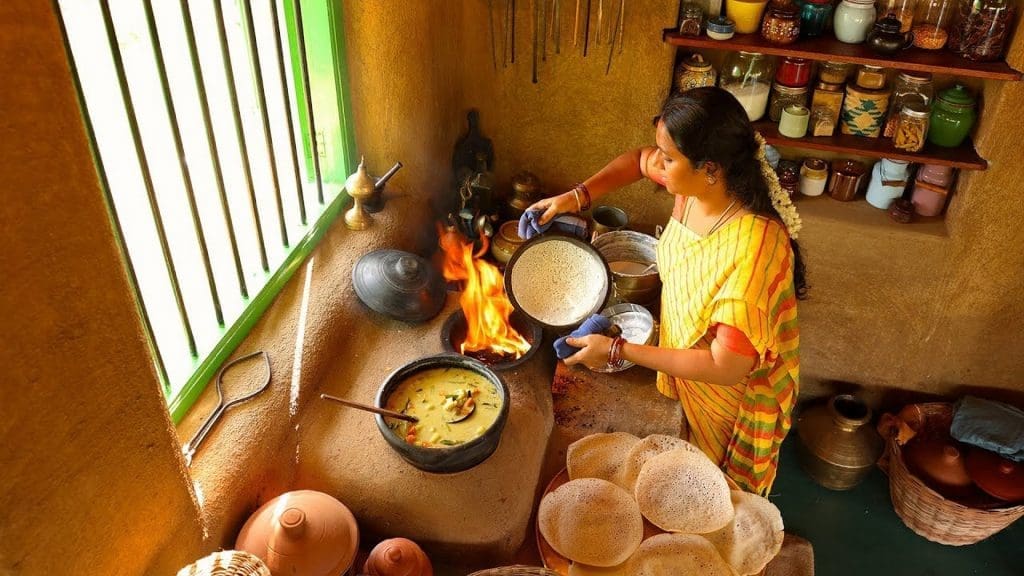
(204, 178)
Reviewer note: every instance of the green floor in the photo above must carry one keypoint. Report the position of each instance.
(857, 532)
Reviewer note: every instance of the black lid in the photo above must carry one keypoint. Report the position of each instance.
(399, 284)
(889, 25)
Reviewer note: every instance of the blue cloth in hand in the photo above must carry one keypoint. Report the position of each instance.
(530, 226)
(593, 325)
(990, 425)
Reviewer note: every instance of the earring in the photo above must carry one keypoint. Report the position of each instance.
(711, 180)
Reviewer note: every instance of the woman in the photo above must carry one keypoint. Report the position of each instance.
(731, 275)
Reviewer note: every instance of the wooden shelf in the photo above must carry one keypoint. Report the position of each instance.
(963, 157)
(828, 48)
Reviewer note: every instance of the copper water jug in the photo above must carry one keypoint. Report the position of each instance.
(838, 446)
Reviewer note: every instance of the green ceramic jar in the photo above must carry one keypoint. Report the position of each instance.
(953, 116)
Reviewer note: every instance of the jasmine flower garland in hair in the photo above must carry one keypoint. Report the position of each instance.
(780, 198)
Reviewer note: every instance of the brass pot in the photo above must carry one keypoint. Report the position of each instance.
(838, 446)
(506, 242)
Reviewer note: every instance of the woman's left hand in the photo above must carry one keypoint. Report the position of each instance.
(593, 353)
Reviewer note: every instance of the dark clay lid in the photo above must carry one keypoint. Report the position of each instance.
(399, 284)
(1001, 478)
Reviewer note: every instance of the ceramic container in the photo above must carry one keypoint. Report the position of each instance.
(720, 28)
(846, 179)
(888, 181)
(781, 25)
(838, 446)
(885, 37)
(939, 463)
(864, 111)
(398, 557)
(746, 14)
(506, 242)
(399, 284)
(928, 199)
(302, 532)
(853, 20)
(936, 174)
(815, 17)
(953, 116)
(999, 477)
(813, 176)
(444, 459)
(694, 72)
(794, 121)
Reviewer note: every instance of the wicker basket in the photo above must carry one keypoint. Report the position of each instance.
(925, 511)
(227, 563)
(516, 571)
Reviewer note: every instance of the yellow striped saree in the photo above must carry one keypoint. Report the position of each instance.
(742, 276)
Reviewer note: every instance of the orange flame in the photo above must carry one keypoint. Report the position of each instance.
(483, 299)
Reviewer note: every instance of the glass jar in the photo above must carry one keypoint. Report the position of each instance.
(911, 126)
(692, 15)
(853, 20)
(826, 107)
(953, 116)
(834, 72)
(748, 76)
(902, 10)
(931, 23)
(694, 72)
(982, 29)
(813, 175)
(908, 86)
(783, 96)
(781, 25)
(815, 16)
(871, 77)
(793, 72)
(885, 38)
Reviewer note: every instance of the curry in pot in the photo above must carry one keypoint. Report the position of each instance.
(437, 396)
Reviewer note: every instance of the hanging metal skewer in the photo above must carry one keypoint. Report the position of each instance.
(557, 24)
(576, 26)
(494, 41)
(544, 30)
(622, 25)
(586, 29)
(512, 31)
(615, 29)
(600, 21)
(536, 33)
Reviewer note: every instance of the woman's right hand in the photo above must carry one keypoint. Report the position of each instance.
(555, 205)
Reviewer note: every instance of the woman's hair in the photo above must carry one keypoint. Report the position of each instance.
(709, 125)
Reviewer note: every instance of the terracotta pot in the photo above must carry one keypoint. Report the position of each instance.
(939, 463)
(838, 448)
(999, 477)
(398, 557)
(304, 533)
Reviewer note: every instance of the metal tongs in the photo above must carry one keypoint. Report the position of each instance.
(189, 449)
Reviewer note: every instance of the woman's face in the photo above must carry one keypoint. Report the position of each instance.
(680, 175)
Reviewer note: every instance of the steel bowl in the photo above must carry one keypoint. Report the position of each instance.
(445, 459)
(637, 325)
(638, 287)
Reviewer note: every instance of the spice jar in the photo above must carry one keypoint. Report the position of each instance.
(813, 175)
(826, 108)
(789, 176)
(721, 28)
(793, 72)
(691, 19)
(909, 86)
(846, 179)
(853, 20)
(781, 25)
(748, 76)
(834, 72)
(864, 111)
(982, 29)
(783, 96)
(931, 23)
(885, 38)
(871, 77)
(815, 16)
(794, 121)
(952, 118)
(912, 127)
(888, 181)
(928, 199)
(902, 10)
(694, 72)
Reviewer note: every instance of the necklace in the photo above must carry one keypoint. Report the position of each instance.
(718, 223)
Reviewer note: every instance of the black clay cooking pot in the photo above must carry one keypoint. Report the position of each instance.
(445, 460)
(399, 284)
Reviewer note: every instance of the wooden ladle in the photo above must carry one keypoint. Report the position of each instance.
(368, 408)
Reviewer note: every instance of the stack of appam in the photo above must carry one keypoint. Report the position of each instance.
(617, 480)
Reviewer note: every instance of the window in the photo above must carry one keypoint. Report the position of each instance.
(221, 136)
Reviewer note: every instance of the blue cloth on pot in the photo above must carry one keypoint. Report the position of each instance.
(593, 325)
(991, 425)
(530, 226)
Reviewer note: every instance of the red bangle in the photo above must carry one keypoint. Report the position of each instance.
(615, 352)
(586, 195)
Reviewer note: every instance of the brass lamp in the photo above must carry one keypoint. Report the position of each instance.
(360, 188)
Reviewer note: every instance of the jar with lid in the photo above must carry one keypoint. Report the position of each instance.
(793, 72)
(885, 37)
(936, 174)
(783, 96)
(781, 25)
(902, 10)
(908, 86)
(888, 181)
(953, 116)
(720, 28)
(692, 15)
(982, 29)
(834, 72)
(748, 76)
(928, 199)
(815, 16)
(793, 123)
(826, 107)
(931, 23)
(694, 72)
(871, 77)
(789, 176)
(813, 175)
(912, 126)
(846, 179)
(864, 111)
(853, 20)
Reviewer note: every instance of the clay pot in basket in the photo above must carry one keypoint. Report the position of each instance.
(398, 557)
(940, 463)
(302, 532)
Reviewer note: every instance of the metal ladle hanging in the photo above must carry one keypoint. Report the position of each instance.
(190, 448)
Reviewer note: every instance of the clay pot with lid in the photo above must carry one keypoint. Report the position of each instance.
(398, 557)
(399, 284)
(940, 463)
(304, 533)
(1000, 478)
(837, 446)
(885, 38)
